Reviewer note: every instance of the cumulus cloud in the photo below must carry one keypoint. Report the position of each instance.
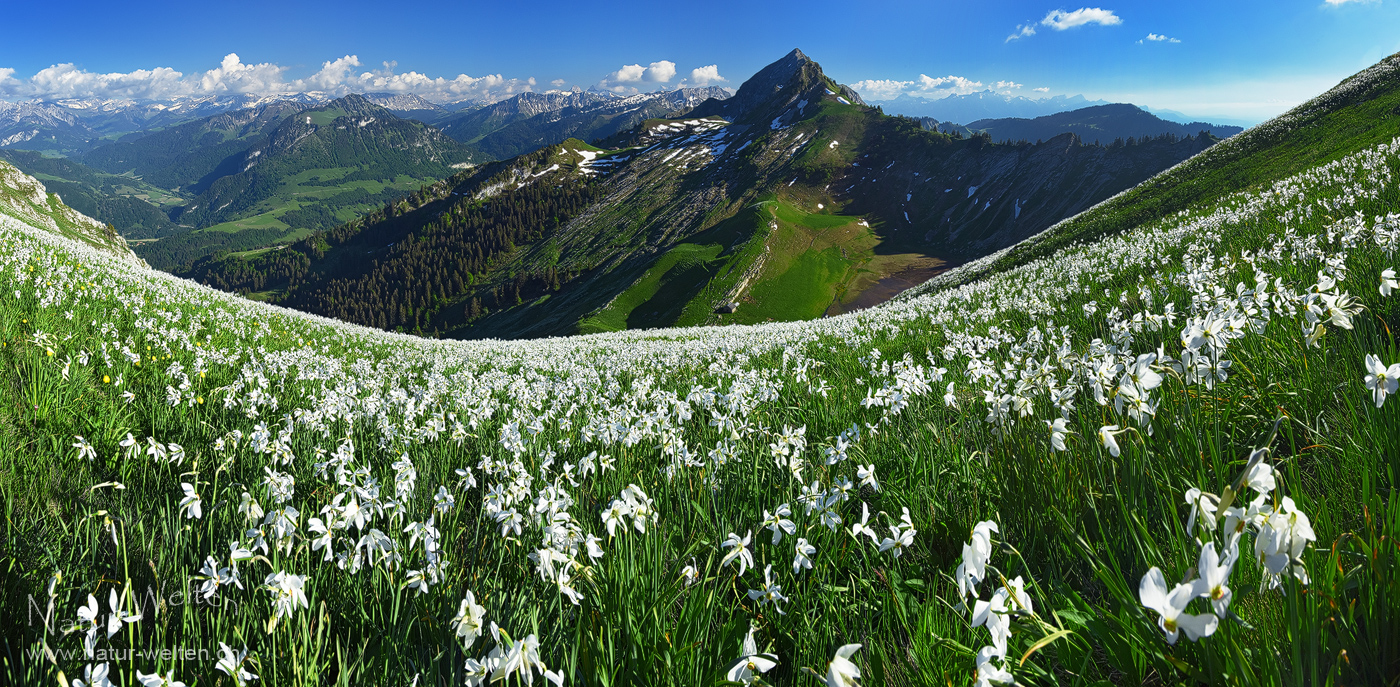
(234, 77)
(628, 74)
(1158, 38)
(659, 72)
(1007, 84)
(923, 87)
(704, 76)
(1060, 20)
(1042, 89)
(621, 80)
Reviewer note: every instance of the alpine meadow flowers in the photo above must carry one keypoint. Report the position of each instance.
(1164, 455)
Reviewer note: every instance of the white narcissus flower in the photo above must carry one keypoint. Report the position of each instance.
(158, 680)
(769, 592)
(842, 671)
(94, 675)
(192, 504)
(779, 523)
(690, 573)
(1202, 504)
(975, 554)
(1388, 282)
(861, 527)
(231, 663)
(1214, 579)
(803, 560)
(866, 475)
(751, 664)
(992, 613)
(1382, 380)
(1107, 434)
(288, 592)
(987, 673)
(468, 621)
(1057, 433)
(1171, 605)
(738, 551)
(85, 450)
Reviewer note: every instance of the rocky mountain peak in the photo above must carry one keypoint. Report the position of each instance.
(792, 78)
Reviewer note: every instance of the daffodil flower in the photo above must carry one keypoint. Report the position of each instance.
(94, 675)
(1214, 577)
(987, 673)
(803, 559)
(467, 624)
(842, 671)
(158, 680)
(738, 551)
(1382, 380)
(751, 663)
(1171, 605)
(232, 664)
(1057, 433)
(779, 523)
(191, 503)
(1107, 434)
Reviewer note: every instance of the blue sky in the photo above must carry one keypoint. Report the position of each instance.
(1246, 60)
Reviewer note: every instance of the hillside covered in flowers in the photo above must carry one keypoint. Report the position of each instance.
(1166, 453)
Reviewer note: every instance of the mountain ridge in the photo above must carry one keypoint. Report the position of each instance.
(790, 198)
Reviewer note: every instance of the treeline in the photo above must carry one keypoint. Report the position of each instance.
(422, 263)
(173, 253)
(408, 285)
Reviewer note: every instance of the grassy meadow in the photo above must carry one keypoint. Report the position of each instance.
(1165, 456)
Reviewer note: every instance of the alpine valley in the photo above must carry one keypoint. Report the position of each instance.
(791, 200)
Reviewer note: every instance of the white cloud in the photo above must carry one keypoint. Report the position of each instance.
(1022, 31)
(628, 74)
(923, 87)
(1337, 3)
(656, 72)
(659, 72)
(704, 76)
(558, 83)
(1042, 89)
(232, 76)
(1008, 84)
(1060, 20)
(1158, 38)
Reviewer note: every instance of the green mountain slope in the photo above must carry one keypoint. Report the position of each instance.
(27, 200)
(136, 208)
(189, 156)
(791, 199)
(1358, 113)
(311, 171)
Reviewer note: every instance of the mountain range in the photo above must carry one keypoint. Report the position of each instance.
(987, 104)
(787, 201)
(1103, 124)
